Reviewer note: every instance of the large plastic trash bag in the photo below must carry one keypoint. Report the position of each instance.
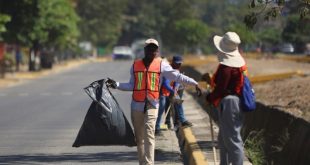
(105, 122)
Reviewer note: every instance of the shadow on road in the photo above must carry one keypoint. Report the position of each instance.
(161, 156)
(62, 158)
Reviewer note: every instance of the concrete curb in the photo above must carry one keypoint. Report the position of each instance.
(189, 147)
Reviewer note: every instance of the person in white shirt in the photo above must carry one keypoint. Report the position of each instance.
(146, 77)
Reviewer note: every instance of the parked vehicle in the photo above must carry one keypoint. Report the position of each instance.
(307, 49)
(286, 48)
(122, 53)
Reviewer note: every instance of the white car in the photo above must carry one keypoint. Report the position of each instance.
(286, 48)
(122, 53)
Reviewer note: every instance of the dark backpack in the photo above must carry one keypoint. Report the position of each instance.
(248, 96)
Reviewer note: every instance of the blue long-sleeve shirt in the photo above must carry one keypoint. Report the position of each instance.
(166, 84)
(166, 71)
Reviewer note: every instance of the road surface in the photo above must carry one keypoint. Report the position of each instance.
(39, 119)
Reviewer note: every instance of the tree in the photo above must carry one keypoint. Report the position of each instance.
(297, 32)
(144, 19)
(189, 34)
(247, 36)
(158, 19)
(176, 12)
(38, 23)
(270, 35)
(101, 21)
(59, 21)
(273, 8)
(3, 20)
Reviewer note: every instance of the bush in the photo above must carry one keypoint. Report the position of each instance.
(254, 150)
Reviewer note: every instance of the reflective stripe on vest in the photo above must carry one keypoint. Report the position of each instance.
(146, 80)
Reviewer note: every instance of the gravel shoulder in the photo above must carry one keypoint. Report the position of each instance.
(290, 95)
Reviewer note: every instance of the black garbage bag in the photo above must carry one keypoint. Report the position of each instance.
(105, 122)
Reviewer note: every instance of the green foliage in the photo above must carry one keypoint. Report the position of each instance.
(146, 18)
(59, 21)
(254, 144)
(23, 16)
(270, 35)
(190, 33)
(297, 31)
(101, 21)
(158, 19)
(3, 20)
(40, 22)
(247, 36)
(272, 9)
(180, 25)
(181, 17)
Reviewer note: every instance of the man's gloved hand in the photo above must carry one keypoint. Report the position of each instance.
(111, 83)
(198, 90)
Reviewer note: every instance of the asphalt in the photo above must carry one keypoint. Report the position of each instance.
(41, 114)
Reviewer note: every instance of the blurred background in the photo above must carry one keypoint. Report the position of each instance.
(40, 117)
(39, 33)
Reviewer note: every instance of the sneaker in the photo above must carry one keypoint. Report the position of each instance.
(187, 124)
(169, 126)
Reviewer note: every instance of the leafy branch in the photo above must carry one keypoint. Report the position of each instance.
(272, 9)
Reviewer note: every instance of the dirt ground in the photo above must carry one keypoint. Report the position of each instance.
(291, 95)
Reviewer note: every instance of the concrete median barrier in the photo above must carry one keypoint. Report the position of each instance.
(191, 150)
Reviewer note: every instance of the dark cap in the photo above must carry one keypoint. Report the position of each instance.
(177, 59)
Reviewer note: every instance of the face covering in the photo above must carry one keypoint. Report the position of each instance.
(149, 54)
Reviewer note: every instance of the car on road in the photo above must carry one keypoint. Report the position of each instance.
(138, 48)
(122, 53)
(286, 48)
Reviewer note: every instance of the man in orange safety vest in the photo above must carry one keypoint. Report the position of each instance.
(145, 80)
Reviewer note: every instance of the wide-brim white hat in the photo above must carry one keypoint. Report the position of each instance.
(228, 45)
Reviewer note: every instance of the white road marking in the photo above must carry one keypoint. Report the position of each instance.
(3, 94)
(67, 93)
(23, 94)
(45, 94)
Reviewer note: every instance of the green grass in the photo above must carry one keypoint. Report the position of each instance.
(254, 147)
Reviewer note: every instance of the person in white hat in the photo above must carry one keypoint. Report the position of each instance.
(227, 83)
(146, 76)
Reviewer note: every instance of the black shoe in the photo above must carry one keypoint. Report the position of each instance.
(187, 124)
(158, 133)
(168, 125)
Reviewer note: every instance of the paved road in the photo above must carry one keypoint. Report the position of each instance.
(40, 119)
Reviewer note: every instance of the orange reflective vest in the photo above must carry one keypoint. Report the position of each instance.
(146, 83)
(165, 91)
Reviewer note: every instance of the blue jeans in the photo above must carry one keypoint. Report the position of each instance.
(179, 111)
(163, 106)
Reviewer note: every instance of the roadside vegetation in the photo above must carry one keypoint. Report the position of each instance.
(182, 26)
(254, 145)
